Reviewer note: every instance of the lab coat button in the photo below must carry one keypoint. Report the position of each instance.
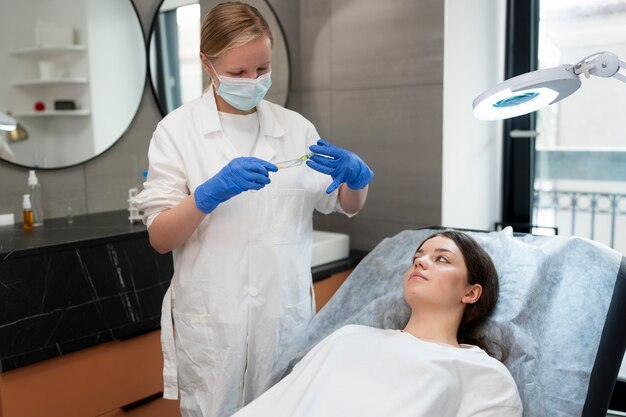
(253, 292)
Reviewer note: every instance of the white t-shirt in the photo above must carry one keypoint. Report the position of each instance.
(363, 371)
(241, 130)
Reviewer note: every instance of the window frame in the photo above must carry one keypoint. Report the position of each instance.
(518, 159)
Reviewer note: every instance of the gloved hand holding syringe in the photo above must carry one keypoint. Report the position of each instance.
(250, 173)
(341, 164)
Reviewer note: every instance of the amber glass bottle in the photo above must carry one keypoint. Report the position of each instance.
(28, 212)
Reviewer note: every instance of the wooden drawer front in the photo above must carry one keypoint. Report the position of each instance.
(156, 408)
(325, 288)
(90, 382)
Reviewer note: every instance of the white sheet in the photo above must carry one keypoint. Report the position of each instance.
(362, 371)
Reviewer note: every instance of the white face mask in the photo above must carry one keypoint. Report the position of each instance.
(243, 93)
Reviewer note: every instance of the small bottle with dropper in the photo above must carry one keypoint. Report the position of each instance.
(34, 189)
(27, 212)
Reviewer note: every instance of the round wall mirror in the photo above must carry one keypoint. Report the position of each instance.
(175, 69)
(72, 73)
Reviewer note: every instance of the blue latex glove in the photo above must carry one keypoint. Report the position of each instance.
(341, 164)
(239, 175)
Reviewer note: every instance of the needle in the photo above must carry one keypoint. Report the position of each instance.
(292, 162)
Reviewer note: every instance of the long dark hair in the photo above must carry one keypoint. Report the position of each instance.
(480, 270)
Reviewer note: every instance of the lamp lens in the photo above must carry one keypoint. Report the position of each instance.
(515, 100)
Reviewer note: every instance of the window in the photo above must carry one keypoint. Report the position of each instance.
(177, 72)
(571, 178)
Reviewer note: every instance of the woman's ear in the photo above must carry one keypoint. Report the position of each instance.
(205, 64)
(473, 294)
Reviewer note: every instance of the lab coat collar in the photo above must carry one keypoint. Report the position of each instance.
(206, 113)
(269, 126)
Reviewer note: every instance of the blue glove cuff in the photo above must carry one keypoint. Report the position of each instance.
(204, 202)
(363, 178)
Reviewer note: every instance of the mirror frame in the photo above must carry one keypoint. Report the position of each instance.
(149, 39)
(125, 131)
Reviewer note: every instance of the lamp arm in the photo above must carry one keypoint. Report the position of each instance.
(621, 77)
(603, 64)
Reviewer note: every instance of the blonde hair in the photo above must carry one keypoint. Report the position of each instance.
(229, 25)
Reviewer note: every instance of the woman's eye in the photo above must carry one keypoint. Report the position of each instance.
(443, 259)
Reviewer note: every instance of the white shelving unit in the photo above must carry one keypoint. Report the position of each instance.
(55, 113)
(65, 58)
(41, 52)
(54, 81)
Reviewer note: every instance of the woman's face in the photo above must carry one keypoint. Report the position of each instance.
(249, 60)
(438, 277)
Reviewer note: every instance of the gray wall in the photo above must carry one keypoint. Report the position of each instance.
(367, 73)
(372, 81)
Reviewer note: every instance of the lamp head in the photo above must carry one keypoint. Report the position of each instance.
(18, 134)
(7, 122)
(526, 93)
(534, 90)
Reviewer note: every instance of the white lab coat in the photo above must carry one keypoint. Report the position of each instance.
(241, 285)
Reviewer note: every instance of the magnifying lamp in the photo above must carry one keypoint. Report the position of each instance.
(532, 91)
(7, 122)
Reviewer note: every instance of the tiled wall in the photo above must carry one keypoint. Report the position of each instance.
(372, 82)
(367, 73)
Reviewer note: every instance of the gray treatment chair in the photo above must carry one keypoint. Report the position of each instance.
(561, 314)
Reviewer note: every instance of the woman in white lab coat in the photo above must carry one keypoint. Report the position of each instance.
(240, 229)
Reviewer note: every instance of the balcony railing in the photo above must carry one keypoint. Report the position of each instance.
(598, 216)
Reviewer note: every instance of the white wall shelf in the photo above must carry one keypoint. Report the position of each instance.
(54, 113)
(75, 86)
(46, 51)
(56, 81)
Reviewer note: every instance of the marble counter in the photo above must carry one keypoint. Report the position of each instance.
(65, 287)
(58, 233)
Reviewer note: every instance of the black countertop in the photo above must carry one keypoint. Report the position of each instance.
(59, 234)
(324, 271)
(66, 286)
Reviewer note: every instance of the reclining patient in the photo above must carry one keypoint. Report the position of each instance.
(437, 366)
